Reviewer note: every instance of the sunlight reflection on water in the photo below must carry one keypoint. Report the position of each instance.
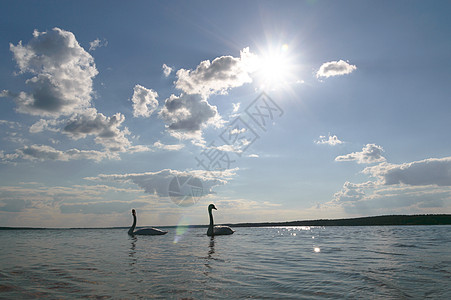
(276, 262)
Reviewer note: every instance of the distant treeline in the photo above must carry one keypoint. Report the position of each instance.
(443, 219)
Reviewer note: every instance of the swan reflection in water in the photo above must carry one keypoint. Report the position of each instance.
(132, 251)
(211, 248)
(143, 231)
(209, 258)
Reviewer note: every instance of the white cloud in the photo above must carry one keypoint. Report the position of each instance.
(97, 43)
(186, 115)
(335, 68)
(332, 140)
(106, 129)
(371, 153)
(431, 171)
(166, 70)
(174, 147)
(62, 74)
(221, 74)
(144, 101)
(253, 155)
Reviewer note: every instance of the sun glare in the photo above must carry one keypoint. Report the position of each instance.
(275, 67)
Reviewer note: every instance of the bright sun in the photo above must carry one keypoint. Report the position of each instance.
(275, 67)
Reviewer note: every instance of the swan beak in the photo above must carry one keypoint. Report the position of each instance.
(214, 208)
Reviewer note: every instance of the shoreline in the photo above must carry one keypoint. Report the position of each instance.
(385, 220)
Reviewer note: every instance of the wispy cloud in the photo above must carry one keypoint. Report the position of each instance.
(43, 152)
(174, 147)
(97, 43)
(166, 70)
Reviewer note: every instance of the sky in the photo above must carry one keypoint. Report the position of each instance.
(272, 111)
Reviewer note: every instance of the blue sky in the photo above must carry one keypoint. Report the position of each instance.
(110, 105)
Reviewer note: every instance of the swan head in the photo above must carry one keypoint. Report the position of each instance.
(133, 212)
(211, 206)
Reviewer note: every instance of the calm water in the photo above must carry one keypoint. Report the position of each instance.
(387, 262)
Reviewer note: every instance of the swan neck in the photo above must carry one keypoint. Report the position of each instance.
(210, 227)
(130, 231)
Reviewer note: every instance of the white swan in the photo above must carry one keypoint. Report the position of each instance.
(217, 230)
(144, 231)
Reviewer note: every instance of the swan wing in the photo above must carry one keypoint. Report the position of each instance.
(223, 230)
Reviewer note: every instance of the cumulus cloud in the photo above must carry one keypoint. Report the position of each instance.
(217, 76)
(351, 192)
(186, 115)
(106, 129)
(414, 187)
(431, 171)
(335, 68)
(371, 153)
(62, 74)
(166, 70)
(144, 101)
(173, 147)
(157, 183)
(331, 140)
(97, 43)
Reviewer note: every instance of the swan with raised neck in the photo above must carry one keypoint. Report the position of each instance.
(216, 230)
(143, 231)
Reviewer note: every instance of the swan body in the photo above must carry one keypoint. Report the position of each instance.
(143, 231)
(217, 230)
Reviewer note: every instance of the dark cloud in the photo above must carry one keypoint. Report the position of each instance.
(157, 183)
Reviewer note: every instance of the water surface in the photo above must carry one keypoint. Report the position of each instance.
(381, 262)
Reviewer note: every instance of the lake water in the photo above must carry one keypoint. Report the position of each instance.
(383, 262)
